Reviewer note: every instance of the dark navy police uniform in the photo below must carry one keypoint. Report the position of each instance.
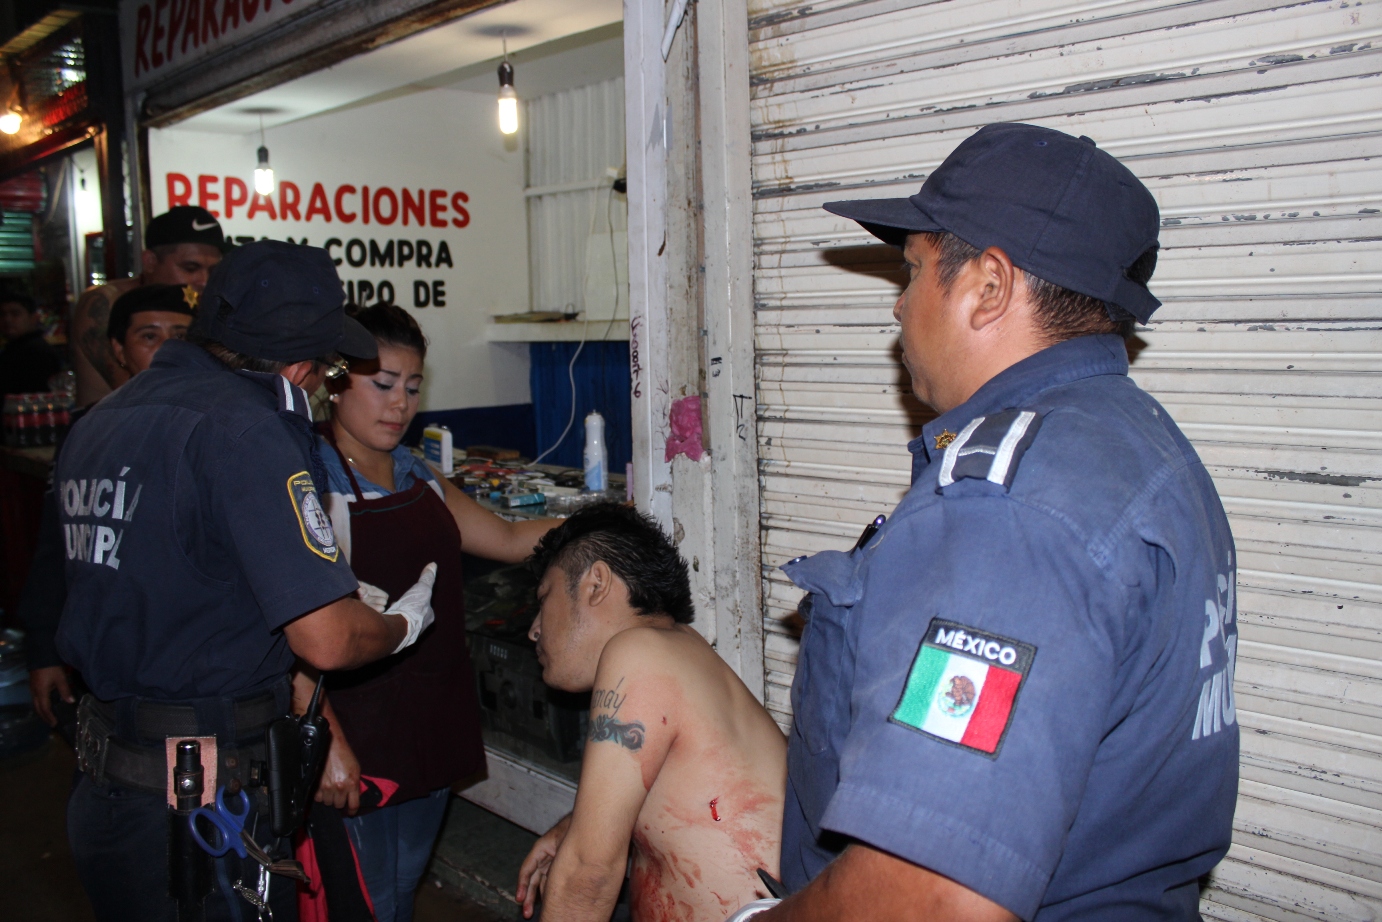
(193, 532)
(1024, 681)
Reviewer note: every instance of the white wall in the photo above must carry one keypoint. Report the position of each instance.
(439, 140)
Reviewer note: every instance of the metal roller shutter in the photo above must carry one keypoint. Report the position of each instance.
(1257, 126)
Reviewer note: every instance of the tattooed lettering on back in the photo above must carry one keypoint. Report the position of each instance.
(607, 728)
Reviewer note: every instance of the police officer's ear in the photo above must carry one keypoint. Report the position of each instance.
(298, 372)
(997, 289)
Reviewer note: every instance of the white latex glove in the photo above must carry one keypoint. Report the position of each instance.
(753, 909)
(415, 606)
(373, 596)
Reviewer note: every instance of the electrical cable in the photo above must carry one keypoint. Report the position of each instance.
(585, 328)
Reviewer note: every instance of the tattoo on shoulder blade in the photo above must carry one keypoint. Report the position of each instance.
(606, 727)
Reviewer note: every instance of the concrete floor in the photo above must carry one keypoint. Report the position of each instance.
(38, 882)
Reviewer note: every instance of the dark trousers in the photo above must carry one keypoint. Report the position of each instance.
(119, 839)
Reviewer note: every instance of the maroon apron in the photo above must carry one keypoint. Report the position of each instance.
(412, 717)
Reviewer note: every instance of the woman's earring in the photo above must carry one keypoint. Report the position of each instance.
(333, 397)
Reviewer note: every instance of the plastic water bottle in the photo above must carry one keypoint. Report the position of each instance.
(596, 455)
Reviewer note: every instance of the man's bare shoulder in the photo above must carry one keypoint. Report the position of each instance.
(664, 651)
(106, 294)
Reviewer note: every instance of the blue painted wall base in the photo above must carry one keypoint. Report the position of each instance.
(508, 426)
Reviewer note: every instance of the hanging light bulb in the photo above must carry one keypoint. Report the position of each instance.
(508, 99)
(11, 122)
(263, 174)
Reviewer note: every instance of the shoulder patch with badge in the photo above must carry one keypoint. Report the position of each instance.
(990, 447)
(317, 533)
(963, 685)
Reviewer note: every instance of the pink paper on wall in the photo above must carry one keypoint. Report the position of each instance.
(685, 420)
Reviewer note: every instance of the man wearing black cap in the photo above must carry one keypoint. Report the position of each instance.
(1015, 699)
(180, 248)
(199, 564)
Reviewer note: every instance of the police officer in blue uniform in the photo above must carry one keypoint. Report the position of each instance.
(1015, 699)
(200, 562)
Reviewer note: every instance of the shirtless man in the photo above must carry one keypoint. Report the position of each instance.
(180, 247)
(680, 761)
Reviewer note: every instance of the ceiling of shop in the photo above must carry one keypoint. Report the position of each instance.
(552, 44)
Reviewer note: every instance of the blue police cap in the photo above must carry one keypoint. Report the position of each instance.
(282, 302)
(1061, 208)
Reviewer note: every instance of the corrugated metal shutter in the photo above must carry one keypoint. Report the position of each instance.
(574, 137)
(1257, 126)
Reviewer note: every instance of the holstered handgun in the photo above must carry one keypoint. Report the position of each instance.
(297, 747)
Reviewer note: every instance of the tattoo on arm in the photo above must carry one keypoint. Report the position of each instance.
(93, 315)
(607, 728)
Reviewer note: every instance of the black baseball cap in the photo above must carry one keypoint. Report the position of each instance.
(282, 302)
(1061, 208)
(177, 299)
(184, 224)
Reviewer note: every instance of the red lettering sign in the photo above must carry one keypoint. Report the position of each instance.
(261, 203)
(179, 190)
(414, 208)
(316, 204)
(144, 20)
(204, 194)
(237, 193)
(379, 194)
(345, 217)
(289, 195)
(380, 205)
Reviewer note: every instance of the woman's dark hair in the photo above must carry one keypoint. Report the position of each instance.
(631, 545)
(391, 324)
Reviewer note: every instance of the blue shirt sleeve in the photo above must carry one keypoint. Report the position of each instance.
(276, 523)
(978, 566)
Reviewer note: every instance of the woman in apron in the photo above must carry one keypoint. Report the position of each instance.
(408, 724)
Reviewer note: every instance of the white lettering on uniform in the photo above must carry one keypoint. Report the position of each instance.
(98, 506)
(1212, 628)
(105, 540)
(975, 645)
(118, 511)
(943, 638)
(69, 497)
(958, 640)
(1217, 708)
(87, 497)
(1007, 656)
(991, 650)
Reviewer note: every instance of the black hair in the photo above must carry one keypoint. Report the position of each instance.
(165, 298)
(1062, 314)
(238, 361)
(391, 324)
(632, 545)
(20, 298)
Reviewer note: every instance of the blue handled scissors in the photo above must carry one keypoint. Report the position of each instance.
(228, 824)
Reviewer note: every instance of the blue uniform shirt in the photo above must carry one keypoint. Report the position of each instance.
(193, 532)
(1024, 680)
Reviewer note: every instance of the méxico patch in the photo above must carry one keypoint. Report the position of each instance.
(963, 686)
(317, 533)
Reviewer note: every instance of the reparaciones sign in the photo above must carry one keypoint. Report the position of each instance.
(161, 37)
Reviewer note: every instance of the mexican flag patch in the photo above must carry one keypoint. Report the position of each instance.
(963, 686)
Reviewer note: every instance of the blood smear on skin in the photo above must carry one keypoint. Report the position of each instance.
(714, 815)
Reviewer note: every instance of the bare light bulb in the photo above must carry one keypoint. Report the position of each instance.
(508, 100)
(11, 122)
(508, 110)
(264, 174)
